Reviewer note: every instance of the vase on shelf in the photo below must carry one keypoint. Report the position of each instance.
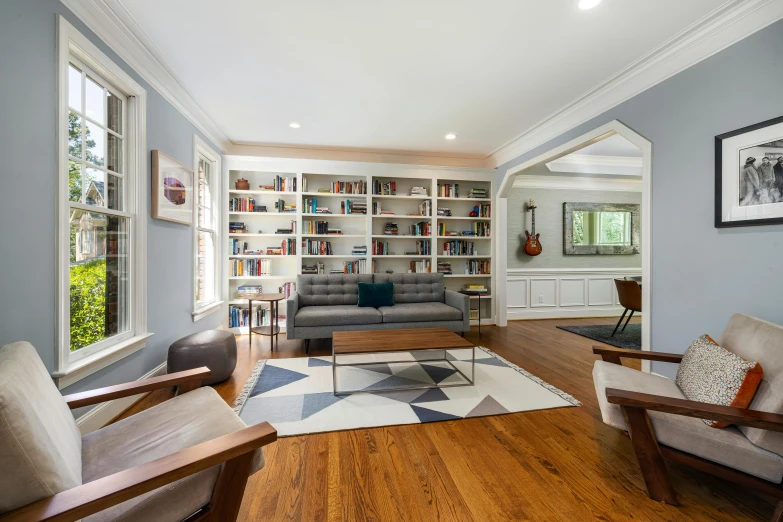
(242, 184)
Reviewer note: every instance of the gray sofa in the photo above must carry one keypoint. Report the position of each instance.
(324, 304)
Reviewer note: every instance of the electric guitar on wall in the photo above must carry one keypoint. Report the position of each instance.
(532, 245)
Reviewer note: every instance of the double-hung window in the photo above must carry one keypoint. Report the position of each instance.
(101, 226)
(207, 231)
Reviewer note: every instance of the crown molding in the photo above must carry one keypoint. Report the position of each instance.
(726, 25)
(360, 155)
(578, 183)
(598, 161)
(114, 25)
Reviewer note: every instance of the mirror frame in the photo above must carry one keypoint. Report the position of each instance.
(570, 249)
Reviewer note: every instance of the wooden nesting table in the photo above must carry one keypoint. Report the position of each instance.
(407, 340)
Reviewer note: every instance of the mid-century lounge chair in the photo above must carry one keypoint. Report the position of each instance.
(662, 423)
(187, 458)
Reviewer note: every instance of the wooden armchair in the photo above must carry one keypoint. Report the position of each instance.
(193, 444)
(654, 436)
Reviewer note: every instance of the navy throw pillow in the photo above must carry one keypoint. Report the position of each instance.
(376, 294)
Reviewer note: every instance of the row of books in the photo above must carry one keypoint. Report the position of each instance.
(315, 269)
(418, 191)
(249, 290)
(459, 248)
(423, 228)
(237, 227)
(283, 184)
(355, 267)
(477, 193)
(282, 206)
(444, 267)
(444, 211)
(339, 187)
(387, 188)
(448, 190)
(250, 267)
(353, 207)
(484, 210)
(359, 250)
(478, 229)
(241, 317)
(315, 247)
(319, 227)
(423, 248)
(289, 230)
(238, 247)
(246, 204)
(287, 288)
(421, 267)
(478, 266)
(380, 248)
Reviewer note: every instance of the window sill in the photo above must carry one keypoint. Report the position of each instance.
(201, 313)
(80, 369)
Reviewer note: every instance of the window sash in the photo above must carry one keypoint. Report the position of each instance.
(210, 227)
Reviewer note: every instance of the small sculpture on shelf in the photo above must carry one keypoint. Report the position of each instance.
(242, 184)
(474, 212)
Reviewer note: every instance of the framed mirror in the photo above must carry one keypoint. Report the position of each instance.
(601, 229)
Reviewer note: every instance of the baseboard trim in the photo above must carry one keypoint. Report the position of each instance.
(103, 413)
(527, 314)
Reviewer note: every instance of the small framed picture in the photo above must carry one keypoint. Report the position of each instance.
(749, 176)
(172, 190)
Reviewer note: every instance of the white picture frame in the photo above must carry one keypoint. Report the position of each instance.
(172, 190)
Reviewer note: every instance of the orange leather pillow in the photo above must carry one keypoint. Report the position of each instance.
(712, 374)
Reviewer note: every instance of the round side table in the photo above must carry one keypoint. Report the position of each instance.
(273, 330)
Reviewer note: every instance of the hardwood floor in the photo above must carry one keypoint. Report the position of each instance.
(562, 464)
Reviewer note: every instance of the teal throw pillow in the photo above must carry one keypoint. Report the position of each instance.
(376, 294)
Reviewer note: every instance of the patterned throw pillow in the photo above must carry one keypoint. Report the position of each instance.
(710, 373)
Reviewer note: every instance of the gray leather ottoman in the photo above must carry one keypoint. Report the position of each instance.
(215, 349)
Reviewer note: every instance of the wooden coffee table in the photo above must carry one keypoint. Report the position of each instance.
(408, 340)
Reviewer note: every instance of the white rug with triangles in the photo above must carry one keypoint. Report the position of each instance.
(295, 395)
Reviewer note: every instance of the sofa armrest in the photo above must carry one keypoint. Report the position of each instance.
(613, 355)
(292, 306)
(460, 302)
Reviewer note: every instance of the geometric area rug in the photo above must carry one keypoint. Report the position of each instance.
(295, 395)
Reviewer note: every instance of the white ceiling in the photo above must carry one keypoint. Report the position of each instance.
(612, 156)
(398, 75)
(612, 146)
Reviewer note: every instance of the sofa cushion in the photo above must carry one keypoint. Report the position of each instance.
(414, 288)
(40, 444)
(418, 312)
(375, 295)
(757, 340)
(712, 374)
(330, 289)
(336, 315)
(728, 446)
(179, 423)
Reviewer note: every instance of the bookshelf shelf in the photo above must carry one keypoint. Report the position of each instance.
(332, 195)
(358, 230)
(480, 200)
(464, 218)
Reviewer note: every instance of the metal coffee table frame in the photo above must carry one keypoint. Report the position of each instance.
(470, 382)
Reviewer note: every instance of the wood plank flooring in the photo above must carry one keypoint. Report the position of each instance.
(551, 465)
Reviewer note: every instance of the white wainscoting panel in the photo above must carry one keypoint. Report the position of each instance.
(555, 293)
(572, 291)
(516, 289)
(543, 292)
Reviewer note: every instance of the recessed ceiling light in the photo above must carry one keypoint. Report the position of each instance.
(294, 125)
(588, 4)
(451, 136)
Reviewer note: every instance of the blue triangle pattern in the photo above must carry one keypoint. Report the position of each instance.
(433, 395)
(274, 377)
(314, 361)
(426, 415)
(315, 402)
(438, 373)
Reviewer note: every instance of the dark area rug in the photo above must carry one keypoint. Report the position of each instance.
(631, 338)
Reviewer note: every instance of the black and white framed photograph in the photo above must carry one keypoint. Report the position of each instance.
(749, 176)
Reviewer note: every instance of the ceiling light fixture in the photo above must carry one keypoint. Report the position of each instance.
(451, 136)
(588, 4)
(294, 125)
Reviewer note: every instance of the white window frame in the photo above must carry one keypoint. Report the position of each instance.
(201, 150)
(72, 367)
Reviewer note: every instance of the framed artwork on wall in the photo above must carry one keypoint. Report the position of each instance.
(172, 190)
(749, 176)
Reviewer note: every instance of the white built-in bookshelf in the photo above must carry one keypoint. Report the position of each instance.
(305, 199)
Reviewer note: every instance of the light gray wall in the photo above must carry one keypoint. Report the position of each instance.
(549, 223)
(28, 199)
(702, 275)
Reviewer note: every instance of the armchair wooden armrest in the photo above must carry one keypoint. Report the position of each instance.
(742, 417)
(613, 355)
(185, 381)
(234, 451)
